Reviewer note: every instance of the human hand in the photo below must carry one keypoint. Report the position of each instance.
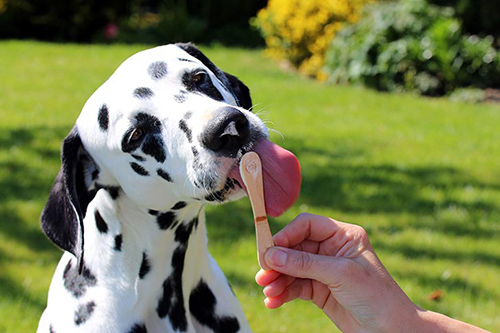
(333, 264)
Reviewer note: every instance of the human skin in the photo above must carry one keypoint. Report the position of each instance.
(333, 264)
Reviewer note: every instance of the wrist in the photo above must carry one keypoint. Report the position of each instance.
(429, 321)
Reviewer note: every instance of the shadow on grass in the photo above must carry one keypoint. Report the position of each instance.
(340, 184)
(333, 178)
(26, 177)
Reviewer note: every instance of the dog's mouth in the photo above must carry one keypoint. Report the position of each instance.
(281, 176)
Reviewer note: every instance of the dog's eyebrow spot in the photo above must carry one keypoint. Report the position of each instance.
(118, 242)
(165, 175)
(77, 283)
(186, 60)
(157, 70)
(138, 328)
(103, 117)
(184, 127)
(139, 169)
(143, 92)
(101, 225)
(84, 312)
(145, 266)
(202, 303)
(166, 220)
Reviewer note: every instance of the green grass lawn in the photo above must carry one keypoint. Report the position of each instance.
(422, 176)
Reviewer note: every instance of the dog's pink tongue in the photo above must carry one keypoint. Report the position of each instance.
(281, 177)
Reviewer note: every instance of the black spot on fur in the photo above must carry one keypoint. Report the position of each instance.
(103, 117)
(179, 205)
(118, 242)
(114, 191)
(138, 328)
(157, 70)
(95, 174)
(184, 127)
(186, 60)
(84, 312)
(163, 174)
(183, 232)
(77, 283)
(102, 226)
(145, 266)
(153, 212)
(166, 220)
(139, 158)
(143, 92)
(139, 169)
(202, 303)
(179, 98)
(171, 302)
(153, 146)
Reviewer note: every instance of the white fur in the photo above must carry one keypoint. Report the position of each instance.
(121, 298)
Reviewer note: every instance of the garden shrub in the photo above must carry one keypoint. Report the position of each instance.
(300, 31)
(411, 45)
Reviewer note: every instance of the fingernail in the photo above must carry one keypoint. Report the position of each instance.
(276, 257)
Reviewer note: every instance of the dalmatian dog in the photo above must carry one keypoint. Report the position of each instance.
(160, 139)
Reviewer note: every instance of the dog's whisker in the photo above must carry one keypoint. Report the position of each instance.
(277, 132)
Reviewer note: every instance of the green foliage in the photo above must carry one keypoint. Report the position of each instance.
(220, 21)
(60, 20)
(478, 16)
(420, 175)
(411, 45)
(137, 21)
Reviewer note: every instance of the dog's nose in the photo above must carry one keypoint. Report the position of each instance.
(227, 132)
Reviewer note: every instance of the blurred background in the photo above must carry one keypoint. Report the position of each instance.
(430, 46)
(392, 108)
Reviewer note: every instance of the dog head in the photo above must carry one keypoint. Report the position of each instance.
(167, 126)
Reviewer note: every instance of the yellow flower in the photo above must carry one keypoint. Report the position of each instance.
(302, 30)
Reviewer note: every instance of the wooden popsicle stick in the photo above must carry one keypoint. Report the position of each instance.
(251, 173)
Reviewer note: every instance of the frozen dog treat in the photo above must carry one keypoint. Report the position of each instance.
(251, 173)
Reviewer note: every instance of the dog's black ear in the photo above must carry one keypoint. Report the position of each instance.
(240, 92)
(62, 217)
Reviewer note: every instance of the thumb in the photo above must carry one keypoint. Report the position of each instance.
(301, 264)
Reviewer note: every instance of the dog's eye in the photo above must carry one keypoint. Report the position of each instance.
(200, 77)
(136, 134)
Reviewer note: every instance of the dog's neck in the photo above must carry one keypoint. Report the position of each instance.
(144, 247)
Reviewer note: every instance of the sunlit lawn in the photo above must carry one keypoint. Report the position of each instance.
(421, 175)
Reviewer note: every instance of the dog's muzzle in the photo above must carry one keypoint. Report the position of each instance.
(227, 132)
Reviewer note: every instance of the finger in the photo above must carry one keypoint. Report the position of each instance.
(306, 226)
(303, 264)
(279, 285)
(263, 278)
(298, 289)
